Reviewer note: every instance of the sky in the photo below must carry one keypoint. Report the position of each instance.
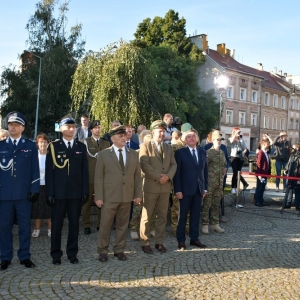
(264, 32)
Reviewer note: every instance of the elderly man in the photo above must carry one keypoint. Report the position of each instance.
(94, 144)
(190, 187)
(67, 188)
(158, 166)
(83, 132)
(20, 185)
(113, 125)
(117, 183)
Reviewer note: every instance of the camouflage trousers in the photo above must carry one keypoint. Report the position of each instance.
(175, 216)
(134, 224)
(212, 203)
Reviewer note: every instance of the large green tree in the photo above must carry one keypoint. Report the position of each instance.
(118, 83)
(60, 50)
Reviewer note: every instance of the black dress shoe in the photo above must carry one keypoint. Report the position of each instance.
(87, 230)
(73, 260)
(181, 246)
(27, 263)
(259, 205)
(161, 248)
(266, 204)
(147, 249)
(56, 261)
(120, 256)
(4, 264)
(103, 257)
(197, 244)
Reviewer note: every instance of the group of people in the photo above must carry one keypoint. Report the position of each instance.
(131, 183)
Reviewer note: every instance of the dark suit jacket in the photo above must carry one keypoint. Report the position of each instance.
(190, 176)
(79, 134)
(61, 182)
(24, 174)
(133, 145)
(263, 167)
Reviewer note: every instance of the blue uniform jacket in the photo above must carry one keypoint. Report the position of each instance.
(189, 176)
(19, 169)
(61, 182)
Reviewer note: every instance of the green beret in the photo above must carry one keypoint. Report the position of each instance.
(121, 129)
(157, 124)
(186, 127)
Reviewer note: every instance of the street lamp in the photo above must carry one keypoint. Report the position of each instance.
(38, 95)
(221, 83)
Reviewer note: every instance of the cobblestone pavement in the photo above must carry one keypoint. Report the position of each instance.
(257, 258)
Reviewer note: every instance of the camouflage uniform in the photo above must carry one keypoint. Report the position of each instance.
(216, 164)
(175, 205)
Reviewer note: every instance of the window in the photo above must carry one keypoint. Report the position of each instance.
(282, 125)
(230, 92)
(253, 119)
(292, 104)
(242, 94)
(267, 99)
(229, 114)
(298, 105)
(283, 104)
(266, 121)
(242, 117)
(275, 101)
(291, 123)
(274, 123)
(297, 124)
(254, 96)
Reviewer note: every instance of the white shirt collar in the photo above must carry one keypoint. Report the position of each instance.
(17, 140)
(66, 142)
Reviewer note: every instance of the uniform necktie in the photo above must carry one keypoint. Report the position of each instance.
(15, 144)
(97, 142)
(69, 148)
(194, 156)
(121, 160)
(161, 151)
(127, 145)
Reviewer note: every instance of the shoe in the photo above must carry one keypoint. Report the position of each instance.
(134, 235)
(233, 191)
(277, 189)
(147, 249)
(197, 244)
(49, 232)
(205, 229)
(4, 264)
(36, 233)
(103, 257)
(217, 228)
(161, 248)
(152, 233)
(181, 246)
(87, 230)
(27, 263)
(120, 256)
(56, 261)
(288, 206)
(259, 205)
(266, 204)
(221, 220)
(245, 186)
(74, 260)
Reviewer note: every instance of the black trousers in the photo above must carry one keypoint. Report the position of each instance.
(236, 165)
(73, 209)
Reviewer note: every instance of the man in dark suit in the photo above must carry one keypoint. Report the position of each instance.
(67, 188)
(20, 185)
(190, 186)
(83, 131)
(263, 167)
(129, 143)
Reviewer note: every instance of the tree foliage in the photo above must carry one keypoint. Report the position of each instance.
(60, 51)
(118, 83)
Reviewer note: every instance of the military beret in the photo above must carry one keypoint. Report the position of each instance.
(157, 124)
(121, 129)
(186, 127)
(94, 124)
(16, 117)
(67, 121)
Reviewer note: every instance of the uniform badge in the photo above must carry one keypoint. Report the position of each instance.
(3, 160)
(58, 156)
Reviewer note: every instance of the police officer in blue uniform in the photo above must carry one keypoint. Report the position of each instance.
(67, 188)
(19, 186)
